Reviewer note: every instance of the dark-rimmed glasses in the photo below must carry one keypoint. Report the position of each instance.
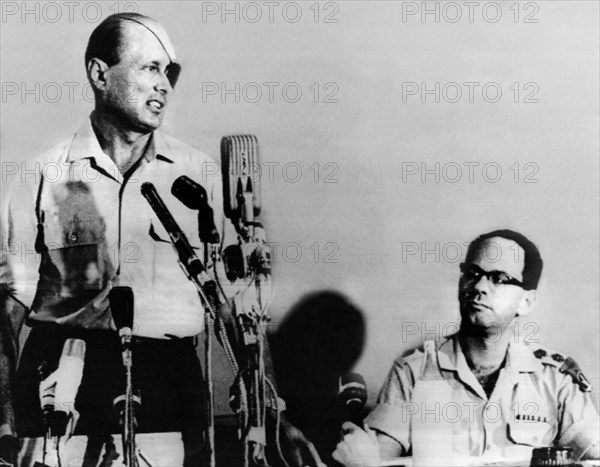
(471, 273)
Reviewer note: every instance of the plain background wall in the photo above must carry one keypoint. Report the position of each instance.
(370, 216)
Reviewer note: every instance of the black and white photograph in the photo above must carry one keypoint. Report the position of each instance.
(305, 233)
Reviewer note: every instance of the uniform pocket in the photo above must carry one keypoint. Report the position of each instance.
(531, 433)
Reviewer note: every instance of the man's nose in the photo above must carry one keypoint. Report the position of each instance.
(483, 284)
(163, 85)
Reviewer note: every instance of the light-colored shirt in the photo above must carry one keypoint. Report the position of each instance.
(73, 228)
(533, 404)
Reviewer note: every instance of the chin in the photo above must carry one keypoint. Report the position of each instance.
(152, 121)
(147, 126)
(477, 327)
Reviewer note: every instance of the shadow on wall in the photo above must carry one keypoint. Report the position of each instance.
(320, 339)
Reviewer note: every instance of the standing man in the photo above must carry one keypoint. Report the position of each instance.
(88, 229)
(541, 397)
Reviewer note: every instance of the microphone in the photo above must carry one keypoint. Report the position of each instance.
(192, 265)
(240, 164)
(120, 299)
(352, 396)
(59, 390)
(193, 195)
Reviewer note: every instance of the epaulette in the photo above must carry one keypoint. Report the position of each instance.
(412, 354)
(565, 365)
(417, 352)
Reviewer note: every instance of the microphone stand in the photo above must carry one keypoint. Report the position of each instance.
(194, 270)
(207, 290)
(131, 452)
(253, 371)
(129, 448)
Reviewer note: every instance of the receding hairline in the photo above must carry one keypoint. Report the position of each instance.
(115, 29)
(533, 264)
(485, 242)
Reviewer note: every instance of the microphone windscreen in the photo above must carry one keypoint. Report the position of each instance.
(120, 299)
(352, 391)
(190, 193)
(240, 164)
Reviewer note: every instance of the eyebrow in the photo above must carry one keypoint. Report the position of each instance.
(473, 265)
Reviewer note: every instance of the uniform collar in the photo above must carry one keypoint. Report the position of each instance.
(520, 359)
(85, 145)
(452, 358)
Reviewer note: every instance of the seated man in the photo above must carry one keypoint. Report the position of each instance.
(540, 397)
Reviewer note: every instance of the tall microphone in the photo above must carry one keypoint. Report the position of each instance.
(352, 396)
(193, 195)
(59, 390)
(121, 307)
(240, 162)
(192, 265)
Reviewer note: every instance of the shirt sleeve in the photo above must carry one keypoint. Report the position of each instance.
(579, 422)
(19, 261)
(391, 415)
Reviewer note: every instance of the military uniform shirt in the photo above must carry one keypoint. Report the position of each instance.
(533, 404)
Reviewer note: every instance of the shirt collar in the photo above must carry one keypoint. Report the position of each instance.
(452, 358)
(520, 358)
(85, 145)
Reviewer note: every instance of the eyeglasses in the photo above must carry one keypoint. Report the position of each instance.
(472, 273)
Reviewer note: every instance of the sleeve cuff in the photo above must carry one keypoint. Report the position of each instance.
(582, 436)
(6, 430)
(391, 420)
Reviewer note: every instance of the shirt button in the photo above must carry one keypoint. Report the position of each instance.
(73, 237)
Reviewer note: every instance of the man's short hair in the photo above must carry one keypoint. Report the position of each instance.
(533, 263)
(107, 39)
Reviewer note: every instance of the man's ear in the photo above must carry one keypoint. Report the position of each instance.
(96, 71)
(528, 302)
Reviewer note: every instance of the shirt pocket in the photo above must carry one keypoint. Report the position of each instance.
(534, 433)
(75, 253)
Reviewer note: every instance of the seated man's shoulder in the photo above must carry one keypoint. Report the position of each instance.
(558, 362)
(414, 354)
(547, 355)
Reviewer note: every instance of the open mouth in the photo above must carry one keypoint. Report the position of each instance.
(155, 104)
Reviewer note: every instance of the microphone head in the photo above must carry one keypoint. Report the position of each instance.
(240, 163)
(120, 299)
(147, 188)
(190, 193)
(352, 397)
(193, 195)
(352, 390)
